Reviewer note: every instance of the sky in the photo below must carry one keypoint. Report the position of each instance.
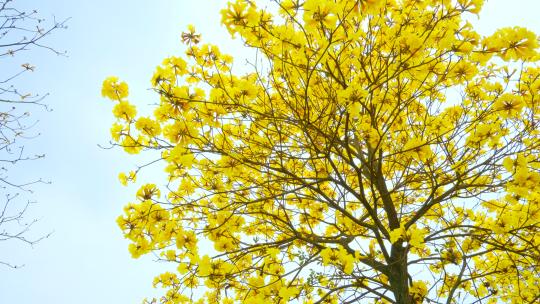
(85, 260)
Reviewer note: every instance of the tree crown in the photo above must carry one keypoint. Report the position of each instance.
(377, 150)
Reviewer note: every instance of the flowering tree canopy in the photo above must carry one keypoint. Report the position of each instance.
(377, 152)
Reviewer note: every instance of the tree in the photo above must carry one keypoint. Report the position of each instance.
(20, 31)
(377, 152)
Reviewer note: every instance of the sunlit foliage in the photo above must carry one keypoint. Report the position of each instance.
(377, 152)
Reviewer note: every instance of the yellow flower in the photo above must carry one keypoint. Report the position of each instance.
(116, 131)
(124, 110)
(473, 6)
(417, 149)
(413, 235)
(113, 89)
(509, 105)
(286, 293)
(418, 290)
(131, 145)
(204, 267)
(514, 43)
(397, 234)
(148, 192)
(463, 70)
(148, 126)
(123, 178)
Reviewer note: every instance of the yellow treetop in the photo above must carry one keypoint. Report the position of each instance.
(379, 151)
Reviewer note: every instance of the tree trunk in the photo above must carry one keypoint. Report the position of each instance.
(399, 280)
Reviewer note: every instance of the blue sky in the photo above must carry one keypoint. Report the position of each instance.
(86, 259)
